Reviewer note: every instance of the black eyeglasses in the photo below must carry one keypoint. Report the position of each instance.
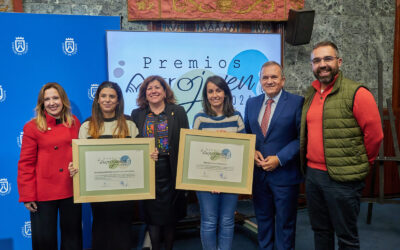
(326, 59)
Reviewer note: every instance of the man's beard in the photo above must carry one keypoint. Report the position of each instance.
(326, 79)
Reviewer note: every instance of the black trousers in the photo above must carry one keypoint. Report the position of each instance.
(44, 225)
(112, 225)
(333, 208)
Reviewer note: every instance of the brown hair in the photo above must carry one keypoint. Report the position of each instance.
(97, 120)
(228, 108)
(65, 115)
(327, 43)
(142, 101)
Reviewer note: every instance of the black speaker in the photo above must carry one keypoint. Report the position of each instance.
(299, 26)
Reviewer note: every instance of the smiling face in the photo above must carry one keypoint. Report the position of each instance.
(155, 93)
(271, 80)
(325, 64)
(52, 102)
(108, 101)
(215, 97)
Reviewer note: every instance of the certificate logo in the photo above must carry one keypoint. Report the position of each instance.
(2, 94)
(26, 230)
(122, 162)
(19, 46)
(226, 153)
(19, 139)
(5, 187)
(113, 164)
(125, 160)
(215, 155)
(70, 47)
(92, 91)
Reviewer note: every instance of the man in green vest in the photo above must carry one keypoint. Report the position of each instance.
(340, 137)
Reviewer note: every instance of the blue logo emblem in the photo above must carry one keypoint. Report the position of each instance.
(26, 230)
(125, 160)
(226, 153)
(92, 91)
(19, 46)
(70, 47)
(19, 139)
(2, 94)
(5, 187)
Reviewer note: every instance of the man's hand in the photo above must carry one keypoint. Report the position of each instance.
(258, 158)
(270, 163)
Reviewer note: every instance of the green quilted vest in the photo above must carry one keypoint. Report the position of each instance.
(345, 154)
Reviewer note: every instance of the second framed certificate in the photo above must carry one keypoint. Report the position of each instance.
(113, 169)
(215, 161)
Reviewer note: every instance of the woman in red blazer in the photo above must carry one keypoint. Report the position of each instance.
(44, 184)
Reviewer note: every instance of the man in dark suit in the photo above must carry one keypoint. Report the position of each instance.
(274, 117)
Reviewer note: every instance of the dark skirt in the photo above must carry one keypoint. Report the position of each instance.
(112, 225)
(164, 210)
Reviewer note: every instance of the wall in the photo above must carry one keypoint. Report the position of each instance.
(362, 29)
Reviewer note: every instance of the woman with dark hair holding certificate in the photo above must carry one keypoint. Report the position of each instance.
(217, 210)
(44, 184)
(158, 116)
(112, 221)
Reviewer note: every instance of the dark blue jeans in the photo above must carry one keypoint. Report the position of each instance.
(217, 211)
(333, 207)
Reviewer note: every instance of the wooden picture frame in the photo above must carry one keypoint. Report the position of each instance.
(113, 169)
(215, 161)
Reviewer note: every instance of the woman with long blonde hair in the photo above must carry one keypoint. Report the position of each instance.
(44, 184)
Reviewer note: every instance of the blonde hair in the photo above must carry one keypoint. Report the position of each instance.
(65, 115)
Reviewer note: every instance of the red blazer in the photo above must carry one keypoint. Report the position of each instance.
(43, 164)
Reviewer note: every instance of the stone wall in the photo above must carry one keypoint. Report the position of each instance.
(362, 29)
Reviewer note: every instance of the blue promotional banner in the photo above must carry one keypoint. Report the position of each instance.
(36, 49)
(185, 60)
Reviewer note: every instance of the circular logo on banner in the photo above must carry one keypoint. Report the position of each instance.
(5, 187)
(2, 94)
(70, 47)
(92, 91)
(19, 46)
(26, 229)
(19, 139)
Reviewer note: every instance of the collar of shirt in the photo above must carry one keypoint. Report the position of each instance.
(273, 106)
(110, 119)
(275, 98)
(148, 111)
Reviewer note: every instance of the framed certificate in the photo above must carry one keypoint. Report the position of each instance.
(215, 161)
(113, 169)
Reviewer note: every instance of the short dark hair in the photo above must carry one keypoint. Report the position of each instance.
(141, 100)
(327, 43)
(228, 106)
